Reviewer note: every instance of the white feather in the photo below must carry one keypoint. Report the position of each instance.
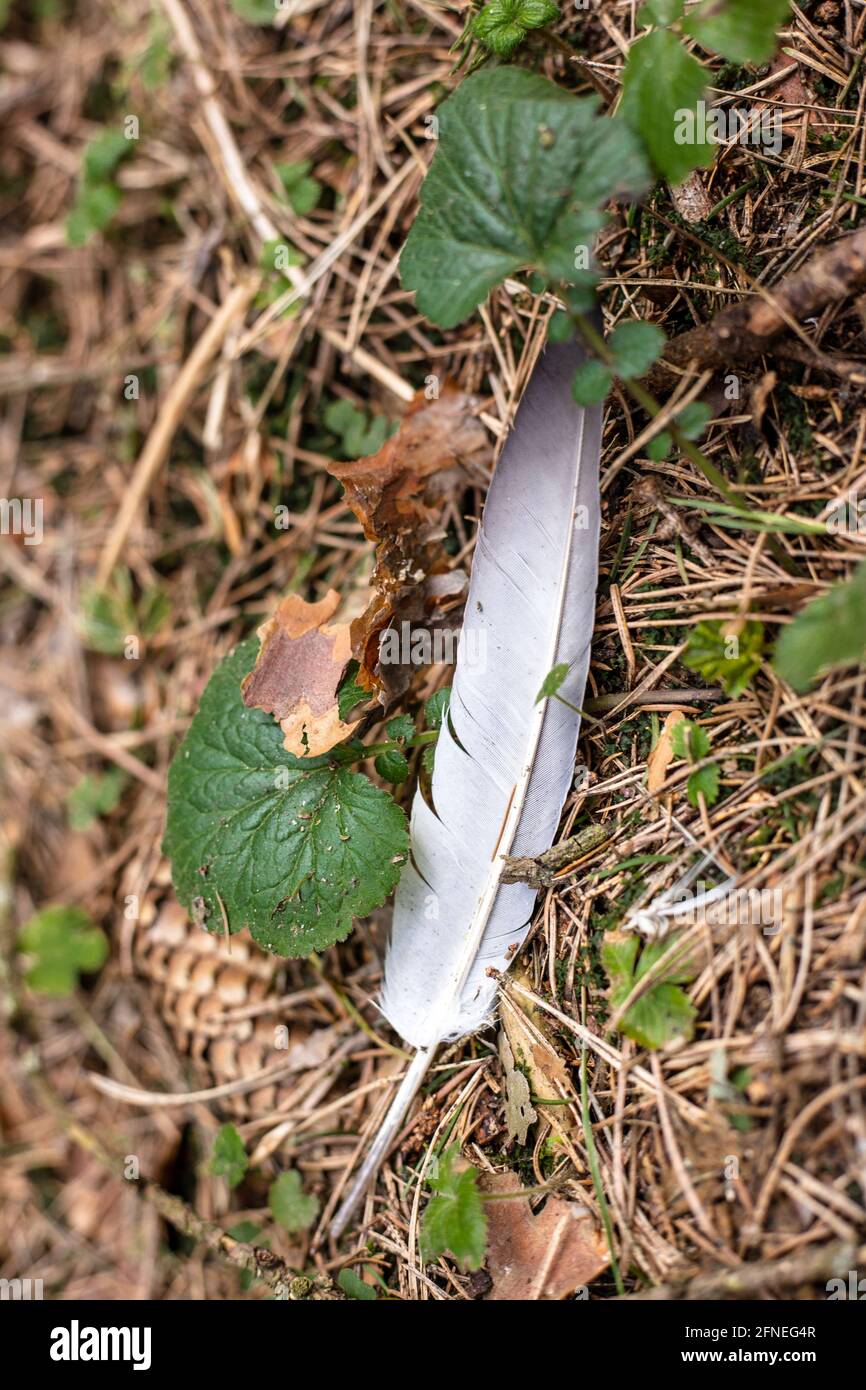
(504, 762)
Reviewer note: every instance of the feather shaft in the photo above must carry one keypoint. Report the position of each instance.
(504, 760)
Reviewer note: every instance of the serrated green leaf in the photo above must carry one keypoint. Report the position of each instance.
(520, 169)
(552, 681)
(401, 726)
(743, 31)
(454, 1219)
(353, 1286)
(293, 848)
(733, 658)
(64, 943)
(665, 1011)
(291, 1207)
(97, 794)
(591, 383)
(229, 1157)
(635, 347)
(359, 434)
(690, 741)
(503, 24)
(660, 81)
(704, 782)
(392, 766)
(830, 631)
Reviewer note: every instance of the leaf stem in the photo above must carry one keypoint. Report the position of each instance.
(396, 745)
(713, 475)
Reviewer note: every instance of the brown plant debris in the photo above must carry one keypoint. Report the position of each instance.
(547, 1256)
(300, 664)
(398, 496)
(744, 331)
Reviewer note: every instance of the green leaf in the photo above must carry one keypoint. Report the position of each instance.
(110, 614)
(661, 80)
(392, 766)
(103, 153)
(229, 1157)
(359, 434)
(704, 782)
(436, 708)
(245, 1231)
(454, 1219)
(350, 693)
(660, 11)
(403, 726)
(302, 192)
(97, 794)
(65, 944)
(503, 24)
(552, 681)
(665, 1011)
(293, 848)
(635, 347)
(290, 1205)
(591, 383)
(95, 206)
(743, 31)
(730, 657)
(694, 419)
(690, 741)
(659, 446)
(830, 631)
(520, 170)
(560, 328)
(354, 1287)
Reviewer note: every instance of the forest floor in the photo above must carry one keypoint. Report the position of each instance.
(735, 1160)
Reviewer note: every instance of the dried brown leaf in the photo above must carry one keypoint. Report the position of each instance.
(397, 494)
(662, 755)
(298, 671)
(543, 1257)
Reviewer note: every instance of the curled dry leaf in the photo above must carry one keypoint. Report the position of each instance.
(397, 495)
(298, 669)
(548, 1256)
(535, 1053)
(662, 755)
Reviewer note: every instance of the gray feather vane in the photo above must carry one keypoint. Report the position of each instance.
(504, 761)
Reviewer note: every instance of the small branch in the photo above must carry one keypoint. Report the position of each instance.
(757, 1279)
(541, 872)
(746, 330)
